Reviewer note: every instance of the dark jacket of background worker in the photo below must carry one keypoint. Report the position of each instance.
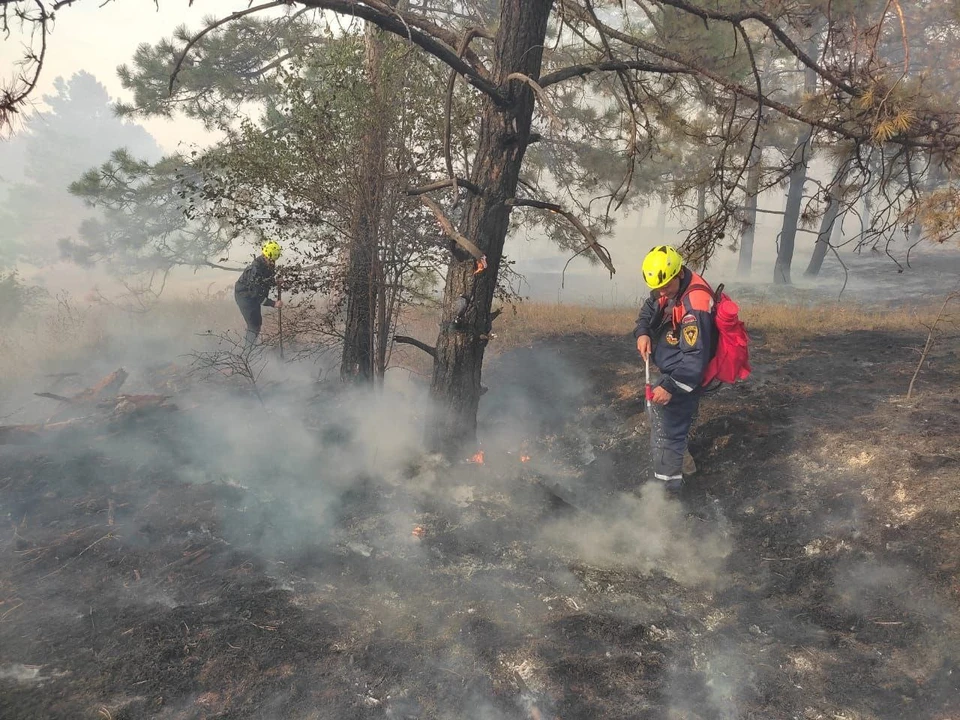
(253, 287)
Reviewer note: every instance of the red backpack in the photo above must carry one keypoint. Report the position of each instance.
(730, 359)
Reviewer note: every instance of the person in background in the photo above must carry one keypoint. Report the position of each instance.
(253, 287)
(675, 329)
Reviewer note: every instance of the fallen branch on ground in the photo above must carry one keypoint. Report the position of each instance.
(110, 410)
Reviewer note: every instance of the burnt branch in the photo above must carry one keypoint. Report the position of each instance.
(406, 340)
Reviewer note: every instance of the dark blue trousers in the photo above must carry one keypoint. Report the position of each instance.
(252, 316)
(668, 437)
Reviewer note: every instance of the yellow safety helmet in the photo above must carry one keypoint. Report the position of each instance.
(661, 265)
(271, 250)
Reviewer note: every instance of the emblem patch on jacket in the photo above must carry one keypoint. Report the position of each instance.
(690, 334)
(671, 338)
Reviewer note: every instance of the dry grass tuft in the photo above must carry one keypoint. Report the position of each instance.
(779, 322)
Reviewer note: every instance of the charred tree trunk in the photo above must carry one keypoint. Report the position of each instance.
(468, 295)
(827, 223)
(358, 361)
(745, 263)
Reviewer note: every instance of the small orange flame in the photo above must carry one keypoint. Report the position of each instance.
(481, 265)
(419, 532)
(524, 458)
(478, 458)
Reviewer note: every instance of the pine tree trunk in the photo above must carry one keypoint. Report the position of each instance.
(866, 217)
(827, 223)
(701, 203)
(791, 219)
(503, 139)
(662, 221)
(745, 263)
(358, 361)
(791, 216)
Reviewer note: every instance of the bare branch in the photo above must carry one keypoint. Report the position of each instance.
(538, 91)
(12, 98)
(213, 26)
(405, 340)
(592, 242)
(580, 70)
(448, 110)
(717, 78)
(739, 17)
(440, 184)
(431, 38)
(930, 338)
(449, 230)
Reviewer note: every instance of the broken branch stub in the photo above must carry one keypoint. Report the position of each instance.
(449, 230)
(405, 340)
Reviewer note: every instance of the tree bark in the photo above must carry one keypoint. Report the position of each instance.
(827, 223)
(745, 262)
(791, 216)
(358, 360)
(504, 135)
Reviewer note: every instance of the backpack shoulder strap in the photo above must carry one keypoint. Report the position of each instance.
(693, 287)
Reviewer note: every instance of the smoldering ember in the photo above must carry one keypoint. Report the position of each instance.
(447, 360)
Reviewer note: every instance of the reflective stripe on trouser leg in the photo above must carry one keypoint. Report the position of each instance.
(671, 426)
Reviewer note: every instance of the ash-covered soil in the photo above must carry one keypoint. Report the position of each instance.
(218, 562)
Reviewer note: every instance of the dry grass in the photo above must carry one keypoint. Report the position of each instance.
(779, 323)
(523, 323)
(68, 333)
(784, 324)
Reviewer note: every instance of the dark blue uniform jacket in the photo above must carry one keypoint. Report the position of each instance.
(681, 334)
(255, 282)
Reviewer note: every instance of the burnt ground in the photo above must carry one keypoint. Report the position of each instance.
(810, 570)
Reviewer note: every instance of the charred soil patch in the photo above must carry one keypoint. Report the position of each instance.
(809, 570)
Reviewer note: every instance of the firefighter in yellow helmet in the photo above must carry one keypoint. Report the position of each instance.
(252, 289)
(675, 329)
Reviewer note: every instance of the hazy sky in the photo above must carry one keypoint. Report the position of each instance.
(98, 39)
